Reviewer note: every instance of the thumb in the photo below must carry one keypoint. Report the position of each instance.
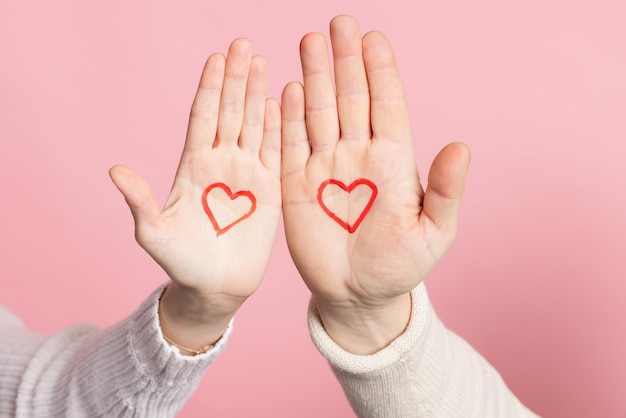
(446, 183)
(137, 193)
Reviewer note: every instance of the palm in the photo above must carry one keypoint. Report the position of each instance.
(384, 242)
(359, 131)
(235, 260)
(232, 140)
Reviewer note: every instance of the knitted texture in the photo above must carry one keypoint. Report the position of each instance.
(126, 370)
(428, 371)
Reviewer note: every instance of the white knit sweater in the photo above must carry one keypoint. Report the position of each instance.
(426, 372)
(128, 370)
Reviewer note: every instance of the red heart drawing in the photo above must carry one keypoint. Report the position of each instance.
(243, 193)
(344, 223)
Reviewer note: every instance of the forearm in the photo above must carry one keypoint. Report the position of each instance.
(17, 347)
(124, 370)
(428, 371)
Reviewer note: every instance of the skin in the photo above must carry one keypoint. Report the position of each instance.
(233, 138)
(358, 127)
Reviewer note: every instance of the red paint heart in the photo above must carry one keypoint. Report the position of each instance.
(344, 223)
(243, 193)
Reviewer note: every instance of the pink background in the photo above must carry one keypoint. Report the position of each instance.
(535, 281)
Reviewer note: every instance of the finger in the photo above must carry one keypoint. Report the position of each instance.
(353, 100)
(138, 196)
(446, 184)
(320, 102)
(270, 146)
(389, 114)
(254, 107)
(295, 144)
(204, 110)
(231, 108)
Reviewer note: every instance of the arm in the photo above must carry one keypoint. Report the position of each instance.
(224, 206)
(428, 371)
(348, 169)
(124, 370)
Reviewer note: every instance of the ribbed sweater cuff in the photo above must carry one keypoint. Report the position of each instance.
(388, 356)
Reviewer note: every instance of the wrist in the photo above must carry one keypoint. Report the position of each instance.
(189, 319)
(194, 306)
(365, 330)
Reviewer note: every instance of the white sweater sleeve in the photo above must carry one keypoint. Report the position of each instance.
(127, 370)
(426, 372)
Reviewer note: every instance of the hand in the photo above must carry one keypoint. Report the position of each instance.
(215, 248)
(360, 274)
